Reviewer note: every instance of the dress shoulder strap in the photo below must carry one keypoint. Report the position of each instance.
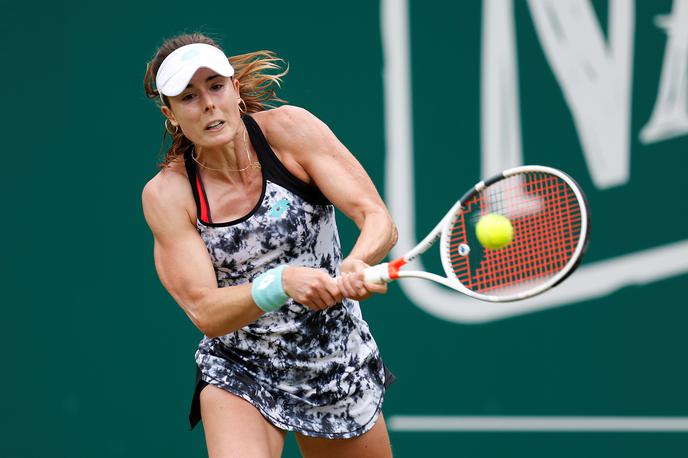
(275, 171)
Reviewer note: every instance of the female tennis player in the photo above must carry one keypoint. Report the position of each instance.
(242, 212)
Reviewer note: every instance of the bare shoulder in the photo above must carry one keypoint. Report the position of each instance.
(168, 196)
(284, 115)
(289, 125)
(165, 186)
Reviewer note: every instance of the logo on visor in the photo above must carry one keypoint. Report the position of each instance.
(190, 53)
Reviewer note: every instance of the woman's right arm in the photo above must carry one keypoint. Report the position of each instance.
(186, 270)
(184, 266)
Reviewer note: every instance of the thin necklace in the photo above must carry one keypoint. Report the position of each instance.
(254, 164)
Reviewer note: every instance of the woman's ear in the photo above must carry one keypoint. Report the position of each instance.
(169, 115)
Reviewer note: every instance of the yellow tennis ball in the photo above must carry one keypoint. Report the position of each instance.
(494, 231)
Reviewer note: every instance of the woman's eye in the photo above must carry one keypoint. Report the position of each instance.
(187, 97)
(217, 87)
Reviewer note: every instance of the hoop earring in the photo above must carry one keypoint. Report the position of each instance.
(241, 101)
(169, 131)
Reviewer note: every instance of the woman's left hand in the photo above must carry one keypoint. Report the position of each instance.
(351, 282)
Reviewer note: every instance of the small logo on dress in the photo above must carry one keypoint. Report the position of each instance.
(279, 208)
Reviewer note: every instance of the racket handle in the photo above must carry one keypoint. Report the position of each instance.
(378, 274)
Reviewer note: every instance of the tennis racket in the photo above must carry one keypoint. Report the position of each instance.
(551, 228)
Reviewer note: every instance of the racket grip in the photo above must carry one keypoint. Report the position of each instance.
(378, 274)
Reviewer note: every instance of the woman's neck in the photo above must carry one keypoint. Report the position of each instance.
(232, 161)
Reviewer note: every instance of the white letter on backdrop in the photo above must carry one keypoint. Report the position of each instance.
(595, 78)
(500, 127)
(670, 116)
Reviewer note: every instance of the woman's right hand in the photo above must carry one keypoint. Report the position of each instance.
(313, 288)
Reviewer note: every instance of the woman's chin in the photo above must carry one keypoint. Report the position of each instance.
(215, 140)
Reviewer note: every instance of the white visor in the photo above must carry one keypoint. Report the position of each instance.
(179, 67)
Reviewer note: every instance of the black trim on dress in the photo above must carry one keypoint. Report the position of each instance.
(275, 171)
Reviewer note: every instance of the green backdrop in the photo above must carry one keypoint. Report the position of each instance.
(98, 357)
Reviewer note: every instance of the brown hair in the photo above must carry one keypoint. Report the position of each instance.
(260, 74)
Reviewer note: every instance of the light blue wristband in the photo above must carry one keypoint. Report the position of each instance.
(267, 291)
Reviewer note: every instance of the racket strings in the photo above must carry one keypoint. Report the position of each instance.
(546, 219)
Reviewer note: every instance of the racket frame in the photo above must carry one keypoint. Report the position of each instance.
(387, 272)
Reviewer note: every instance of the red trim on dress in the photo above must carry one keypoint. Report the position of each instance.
(201, 199)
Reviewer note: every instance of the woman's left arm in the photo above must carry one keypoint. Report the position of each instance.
(342, 179)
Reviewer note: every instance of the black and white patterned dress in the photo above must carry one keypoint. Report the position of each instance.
(315, 372)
